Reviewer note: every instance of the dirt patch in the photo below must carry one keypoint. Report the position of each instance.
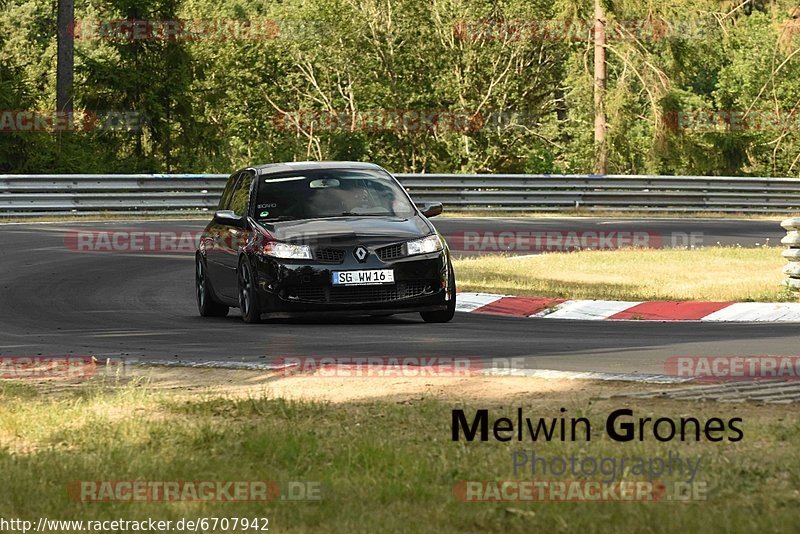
(330, 386)
(321, 386)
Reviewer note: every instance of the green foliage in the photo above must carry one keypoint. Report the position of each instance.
(217, 102)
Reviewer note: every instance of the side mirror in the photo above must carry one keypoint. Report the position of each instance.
(228, 218)
(430, 209)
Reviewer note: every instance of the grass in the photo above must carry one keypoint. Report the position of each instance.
(382, 465)
(706, 274)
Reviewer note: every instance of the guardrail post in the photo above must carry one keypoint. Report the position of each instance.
(792, 253)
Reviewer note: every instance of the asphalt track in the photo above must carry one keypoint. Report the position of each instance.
(55, 301)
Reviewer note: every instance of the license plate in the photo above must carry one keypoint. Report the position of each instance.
(363, 278)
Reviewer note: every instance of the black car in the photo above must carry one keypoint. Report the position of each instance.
(322, 237)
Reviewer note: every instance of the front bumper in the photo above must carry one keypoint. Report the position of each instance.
(289, 287)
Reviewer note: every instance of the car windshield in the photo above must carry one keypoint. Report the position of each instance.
(330, 193)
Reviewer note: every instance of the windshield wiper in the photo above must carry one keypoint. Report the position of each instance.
(355, 214)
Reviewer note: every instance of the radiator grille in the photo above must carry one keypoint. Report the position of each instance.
(329, 255)
(392, 252)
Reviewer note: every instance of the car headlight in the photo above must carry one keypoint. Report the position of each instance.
(276, 249)
(432, 243)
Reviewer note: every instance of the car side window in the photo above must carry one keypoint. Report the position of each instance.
(240, 198)
(226, 193)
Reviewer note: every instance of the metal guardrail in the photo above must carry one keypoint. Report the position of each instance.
(24, 195)
(89, 194)
(510, 192)
(792, 252)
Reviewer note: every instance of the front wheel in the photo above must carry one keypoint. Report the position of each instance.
(206, 305)
(248, 299)
(446, 315)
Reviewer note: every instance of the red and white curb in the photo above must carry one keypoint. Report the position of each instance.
(611, 310)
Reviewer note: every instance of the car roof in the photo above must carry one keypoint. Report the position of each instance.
(271, 168)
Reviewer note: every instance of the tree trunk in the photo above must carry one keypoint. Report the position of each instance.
(599, 89)
(65, 55)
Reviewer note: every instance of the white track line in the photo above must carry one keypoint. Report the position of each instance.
(587, 310)
(757, 312)
(467, 302)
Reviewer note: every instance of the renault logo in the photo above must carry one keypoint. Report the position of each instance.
(361, 254)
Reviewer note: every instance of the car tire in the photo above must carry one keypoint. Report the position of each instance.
(207, 305)
(248, 298)
(444, 316)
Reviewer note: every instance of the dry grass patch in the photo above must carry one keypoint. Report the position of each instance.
(707, 274)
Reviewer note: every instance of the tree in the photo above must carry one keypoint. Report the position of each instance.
(65, 56)
(599, 35)
(151, 77)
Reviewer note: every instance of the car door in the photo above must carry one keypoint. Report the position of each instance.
(215, 231)
(233, 237)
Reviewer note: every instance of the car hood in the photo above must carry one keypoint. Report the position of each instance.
(350, 230)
